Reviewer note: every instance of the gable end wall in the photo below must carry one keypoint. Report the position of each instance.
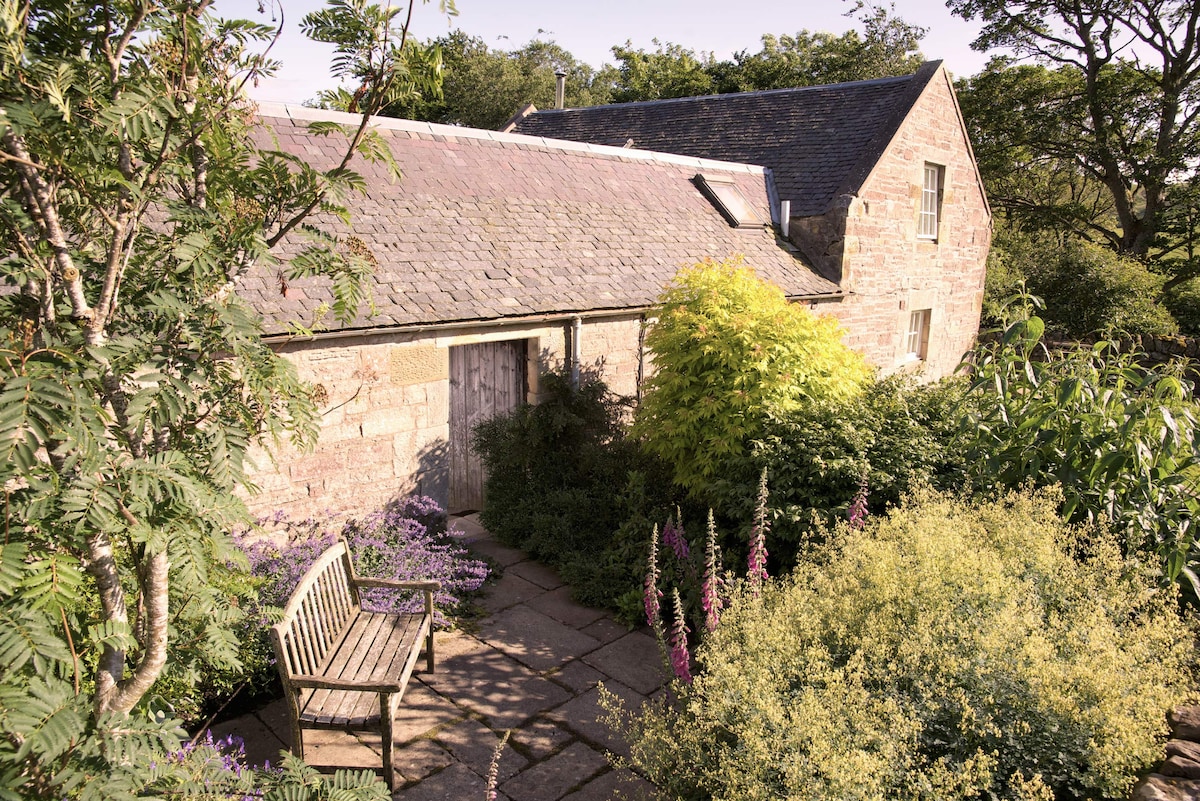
(888, 273)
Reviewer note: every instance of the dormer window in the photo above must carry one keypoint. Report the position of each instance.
(723, 193)
(931, 202)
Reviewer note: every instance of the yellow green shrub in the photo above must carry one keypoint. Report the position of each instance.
(945, 651)
(727, 348)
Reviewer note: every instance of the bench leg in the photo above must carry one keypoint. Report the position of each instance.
(385, 733)
(429, 636)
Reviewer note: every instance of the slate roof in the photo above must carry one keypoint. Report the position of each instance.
(486, 225)
(819, 141)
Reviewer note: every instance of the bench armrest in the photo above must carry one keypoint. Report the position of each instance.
(322, 683)
(392, 584)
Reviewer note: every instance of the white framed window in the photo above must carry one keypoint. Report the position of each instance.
(931, 202)
(916, 341)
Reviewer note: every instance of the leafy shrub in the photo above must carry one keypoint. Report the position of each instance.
(894, 436)
(945, 651)
(1120, 440)
(1004, 278)
(1184, 305)
(566, 485)
(1089, 289)
(729, 350)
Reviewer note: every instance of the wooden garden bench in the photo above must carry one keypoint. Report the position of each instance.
(344, 668)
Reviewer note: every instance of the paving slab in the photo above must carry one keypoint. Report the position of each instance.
(501, 689)
(468, 528)
(474, 745)
(577, 676)
(616, 785)
(422, 711)
(559, 605)
(449, 644)
(541, 737)
(541, 575)
(606, 630)
(420, 758)
(328, 749)
(260, 740)
(455, 783)
(585, 716)
(635, 660)
(537, 640)
(510, 590)
(562, 773)
(498, 551)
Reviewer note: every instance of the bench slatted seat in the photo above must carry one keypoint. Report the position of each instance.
(342, 667)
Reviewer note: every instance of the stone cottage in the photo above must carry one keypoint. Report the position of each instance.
(500, 254)
(881, 189)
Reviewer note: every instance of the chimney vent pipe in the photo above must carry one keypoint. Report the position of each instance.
(560, 88)
(785, 217)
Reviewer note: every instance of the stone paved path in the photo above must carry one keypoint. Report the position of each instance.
(532, 666)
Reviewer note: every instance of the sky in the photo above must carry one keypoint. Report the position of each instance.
(589, 30)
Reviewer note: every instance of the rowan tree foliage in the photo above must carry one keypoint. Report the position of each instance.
(1119, 100)
(132, 378)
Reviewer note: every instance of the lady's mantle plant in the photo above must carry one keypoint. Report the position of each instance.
(944, 650)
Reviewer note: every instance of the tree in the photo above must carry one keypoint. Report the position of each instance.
(1131, 116)
(1025, 124)
(482, 87)
(132, 379)
(670, 71)
(889, 46)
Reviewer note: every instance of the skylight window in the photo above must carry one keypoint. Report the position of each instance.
(723, 193)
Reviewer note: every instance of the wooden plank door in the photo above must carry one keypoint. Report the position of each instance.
(486, 379)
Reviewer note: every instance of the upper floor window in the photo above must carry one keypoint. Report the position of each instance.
(931, 202)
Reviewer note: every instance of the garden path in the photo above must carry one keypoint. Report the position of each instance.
(532, 666)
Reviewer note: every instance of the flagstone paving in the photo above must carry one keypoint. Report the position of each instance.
(532, 667)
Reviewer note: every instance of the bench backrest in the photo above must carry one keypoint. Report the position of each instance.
(320, 606)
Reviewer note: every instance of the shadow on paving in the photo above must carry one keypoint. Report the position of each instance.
(532, 668)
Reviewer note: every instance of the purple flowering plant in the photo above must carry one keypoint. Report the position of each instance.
(681, 658)
(406, 540)
(710, 585)
(715, 585)
(217, 768)
(857, 513)
(757, 562)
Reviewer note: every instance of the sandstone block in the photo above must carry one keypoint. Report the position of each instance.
(1176, 765)
(1165, 788)
(1185, 722)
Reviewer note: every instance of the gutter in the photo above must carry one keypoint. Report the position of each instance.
(470, 325)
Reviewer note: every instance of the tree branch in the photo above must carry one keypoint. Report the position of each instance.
(41, 197)
(102, 564)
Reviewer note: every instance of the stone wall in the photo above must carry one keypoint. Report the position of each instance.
(887, 271)
(385, 401)
(1178, 777)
